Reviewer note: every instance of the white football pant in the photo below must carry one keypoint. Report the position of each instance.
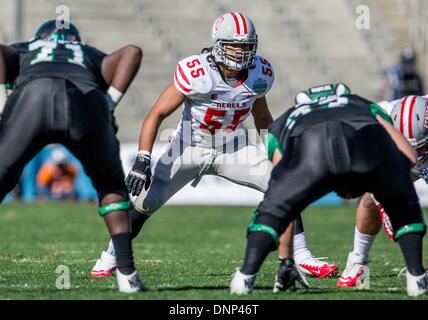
(181, 163)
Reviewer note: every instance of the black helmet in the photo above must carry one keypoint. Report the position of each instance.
(49, 29)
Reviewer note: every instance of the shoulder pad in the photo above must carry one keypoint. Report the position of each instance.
(193, 76)
(264, 74)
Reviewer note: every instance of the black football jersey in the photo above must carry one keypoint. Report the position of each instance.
(353, 110)
(70, 60)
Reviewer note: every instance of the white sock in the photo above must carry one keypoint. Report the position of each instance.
(363, 243)
(300, 246)
(110, 249)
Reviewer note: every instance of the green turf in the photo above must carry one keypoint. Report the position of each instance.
(185, 253)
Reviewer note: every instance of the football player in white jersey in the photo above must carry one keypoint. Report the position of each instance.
(410, 117)
(218, 90)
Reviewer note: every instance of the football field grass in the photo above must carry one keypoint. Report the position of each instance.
(182, 253)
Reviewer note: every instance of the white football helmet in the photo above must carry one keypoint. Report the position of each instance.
(234, 28)
(410, 117)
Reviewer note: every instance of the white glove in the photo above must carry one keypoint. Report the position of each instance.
(113, 97)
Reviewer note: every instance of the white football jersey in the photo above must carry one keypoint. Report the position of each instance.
(213, 110)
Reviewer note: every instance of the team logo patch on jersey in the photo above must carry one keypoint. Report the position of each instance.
(260, 85)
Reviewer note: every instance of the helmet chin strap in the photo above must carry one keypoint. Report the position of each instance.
(229, 72)
(230, 67)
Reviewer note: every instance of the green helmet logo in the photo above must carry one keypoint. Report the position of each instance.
(318, 93)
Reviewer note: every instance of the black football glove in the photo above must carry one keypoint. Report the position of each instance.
(140, 175)
(287, 275)
(421, 168)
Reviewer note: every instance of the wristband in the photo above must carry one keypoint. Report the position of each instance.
(115, 94)
(3, 97)
(144, 153)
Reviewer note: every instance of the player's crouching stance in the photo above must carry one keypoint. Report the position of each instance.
(331, 143)
(219, 90)
(409, 115)
(65, 91)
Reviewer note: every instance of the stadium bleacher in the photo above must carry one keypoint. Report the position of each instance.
(307, 43)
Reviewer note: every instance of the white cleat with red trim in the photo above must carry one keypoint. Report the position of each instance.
(105, 266)
(314, 267)
(356, 273)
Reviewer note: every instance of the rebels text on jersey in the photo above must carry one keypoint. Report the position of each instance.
(213, 110)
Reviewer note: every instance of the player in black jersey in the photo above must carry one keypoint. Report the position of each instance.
(334, 141)
(65, 91)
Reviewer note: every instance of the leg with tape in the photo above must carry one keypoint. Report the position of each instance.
(409, 229)
(115, 213)
(262, 238)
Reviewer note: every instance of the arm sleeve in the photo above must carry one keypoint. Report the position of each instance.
(182, 76)
(272, 144)
(384, 111)
(273, 138)
(181, 81)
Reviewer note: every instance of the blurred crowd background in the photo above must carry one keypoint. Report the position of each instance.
(53, 175)
(309, 42)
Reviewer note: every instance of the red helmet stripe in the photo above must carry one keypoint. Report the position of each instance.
(403, 103)
(183, 75)
(244, 23)
(238, 29)
(412, 103)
